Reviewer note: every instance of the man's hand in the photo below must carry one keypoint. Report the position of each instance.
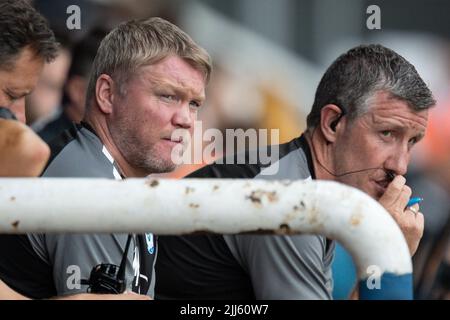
(22, 152)
(394, 200)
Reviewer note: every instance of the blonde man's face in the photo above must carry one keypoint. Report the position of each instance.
(159, 99)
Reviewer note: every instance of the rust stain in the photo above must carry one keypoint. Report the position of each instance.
(194, 205)
(257, 231)
(215, 188)
(15, 224)
(189, 190)
(153, 183)
(283, 229)
(297, 208)
(355, 219)
(256, 196)
(272, 196)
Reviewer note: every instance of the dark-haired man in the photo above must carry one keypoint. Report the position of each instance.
(26, 44)
(370, 109)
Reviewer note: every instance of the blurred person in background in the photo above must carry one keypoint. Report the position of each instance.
(434, 280)
(73, 103)
(43, 104)
(236, 102)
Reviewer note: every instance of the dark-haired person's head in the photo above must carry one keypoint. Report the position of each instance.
(26, 43)
(83, 55)
(370, 109)
(45, 100)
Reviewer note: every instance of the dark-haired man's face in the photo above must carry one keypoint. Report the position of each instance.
(18, 80)
(381, 141)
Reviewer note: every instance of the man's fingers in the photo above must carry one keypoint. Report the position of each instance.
(411, 222)
(414, 209)
(393, 191)
(404, 196)
(420, 221)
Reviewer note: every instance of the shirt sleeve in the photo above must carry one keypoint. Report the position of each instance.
(285, 267)
(73, 256)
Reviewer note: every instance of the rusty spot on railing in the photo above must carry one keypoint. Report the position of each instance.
(284, 229)
(189, 190)
(256, 196)
(355, 219)
(153, 183)
(258, 231)
(301, 205)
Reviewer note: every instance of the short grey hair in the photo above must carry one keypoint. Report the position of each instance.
(357, 75)
(143, 42)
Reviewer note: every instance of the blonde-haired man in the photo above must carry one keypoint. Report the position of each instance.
(148, 79)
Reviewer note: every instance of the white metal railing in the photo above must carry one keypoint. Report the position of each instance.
(223, 206)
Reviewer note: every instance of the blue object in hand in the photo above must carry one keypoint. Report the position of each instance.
(413, 201)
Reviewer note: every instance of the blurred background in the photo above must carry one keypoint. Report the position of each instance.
(268, 58)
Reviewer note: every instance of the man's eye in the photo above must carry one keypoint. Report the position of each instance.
(195, 104)
(413, 141)
(168, 97)
(386, 133)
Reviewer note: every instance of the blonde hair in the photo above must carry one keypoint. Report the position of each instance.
(143, 42)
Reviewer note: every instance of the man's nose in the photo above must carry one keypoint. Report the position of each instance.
(399, 161)
(183, 117)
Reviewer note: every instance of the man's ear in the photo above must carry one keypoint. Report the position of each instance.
(104, 93)
(330, 117)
